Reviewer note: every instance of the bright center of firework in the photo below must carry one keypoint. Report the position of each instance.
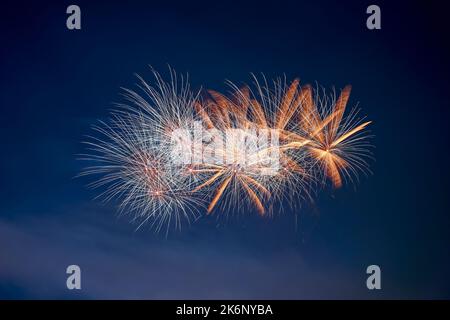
(234, 148)
(156, 193)
(235, 168)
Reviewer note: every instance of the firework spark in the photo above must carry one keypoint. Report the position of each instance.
(258, 145)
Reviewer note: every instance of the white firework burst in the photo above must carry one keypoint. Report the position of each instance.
(133, 154)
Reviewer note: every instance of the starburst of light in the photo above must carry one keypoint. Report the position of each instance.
(133, 152)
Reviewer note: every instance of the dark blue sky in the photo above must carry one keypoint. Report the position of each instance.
(55, 83)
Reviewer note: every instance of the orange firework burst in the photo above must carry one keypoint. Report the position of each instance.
(311, 134)
(337, 144)
(259, 145)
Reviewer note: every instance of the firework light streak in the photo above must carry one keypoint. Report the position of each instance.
(258, 146)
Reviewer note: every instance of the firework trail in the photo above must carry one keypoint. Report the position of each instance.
(170, 154)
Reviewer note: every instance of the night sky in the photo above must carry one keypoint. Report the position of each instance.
(56, 83)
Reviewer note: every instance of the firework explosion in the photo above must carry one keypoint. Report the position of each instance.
(170, 154)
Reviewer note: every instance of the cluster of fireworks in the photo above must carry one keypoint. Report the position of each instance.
(169, 154)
